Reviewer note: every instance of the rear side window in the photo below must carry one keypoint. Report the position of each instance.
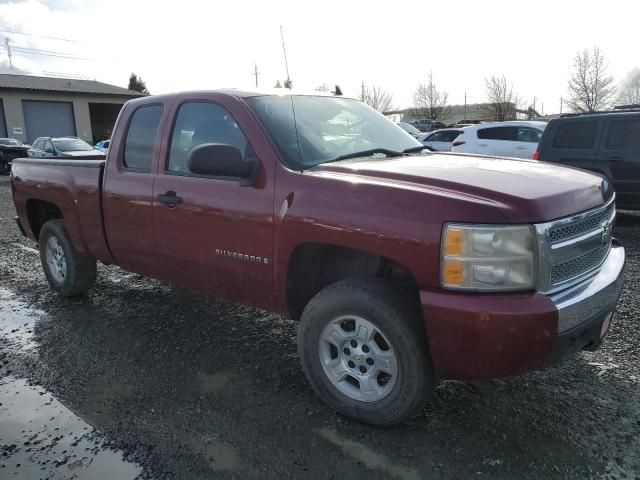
(140, 141)
(624, 134)
(576, 135)
(451, 136)
(498, 133)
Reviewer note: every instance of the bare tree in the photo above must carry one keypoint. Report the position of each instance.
(323, 87)
(590, 88)
(502, 98)
(630, 93)
(429, 102)
(377, 98)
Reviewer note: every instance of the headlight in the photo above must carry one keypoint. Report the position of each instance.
(487, 257)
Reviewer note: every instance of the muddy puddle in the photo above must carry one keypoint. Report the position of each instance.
(39, 436)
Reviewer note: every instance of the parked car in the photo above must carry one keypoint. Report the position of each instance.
(10, 148)
(427, 125)
(606, 143)
(410, 129)
(61, 147)
(103, 146)
(505, 139)
(401, 267)
(441, 140)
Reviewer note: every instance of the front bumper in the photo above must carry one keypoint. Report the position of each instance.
(474, 336)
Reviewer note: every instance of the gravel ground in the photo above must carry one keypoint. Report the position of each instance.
(159, 383)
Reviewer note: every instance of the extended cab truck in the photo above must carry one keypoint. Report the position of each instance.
(402, 267)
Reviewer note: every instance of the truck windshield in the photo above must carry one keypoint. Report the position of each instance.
(72, 145)
(326, 128)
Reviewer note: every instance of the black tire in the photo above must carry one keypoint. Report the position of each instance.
(393, 312)
(80, 270)
(4, 165)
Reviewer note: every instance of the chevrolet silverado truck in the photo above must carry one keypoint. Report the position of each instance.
(402, 267)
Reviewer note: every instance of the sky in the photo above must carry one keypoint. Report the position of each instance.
(193, 44)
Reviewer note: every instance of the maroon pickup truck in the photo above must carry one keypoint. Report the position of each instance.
(402, 266)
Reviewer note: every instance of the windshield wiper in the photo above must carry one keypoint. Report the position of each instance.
(367, 153)
(417, 149)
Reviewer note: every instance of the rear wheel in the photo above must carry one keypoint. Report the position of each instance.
(4, 165)
(68, 272)
(364, 351)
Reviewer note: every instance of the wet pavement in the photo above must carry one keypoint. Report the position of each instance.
(141, 379)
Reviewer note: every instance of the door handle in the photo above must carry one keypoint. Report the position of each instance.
(483, 144)
(615, 159)
(521, 148)
(169, 199)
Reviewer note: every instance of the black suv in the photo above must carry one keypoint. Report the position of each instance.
(604, 142)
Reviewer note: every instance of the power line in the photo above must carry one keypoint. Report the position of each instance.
(41, 36)
(46, 53)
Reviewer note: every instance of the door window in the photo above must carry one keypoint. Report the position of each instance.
(141, 137)
(498, 133)
(576, 135)
(198, 123)
(530, 135)
(624, 134)
(48, 146)
(452, 135)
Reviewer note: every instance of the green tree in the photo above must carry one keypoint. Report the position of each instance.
(137, 84)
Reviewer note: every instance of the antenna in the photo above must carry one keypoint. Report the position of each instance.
(286, 64)
(6, 42)
(289, 85)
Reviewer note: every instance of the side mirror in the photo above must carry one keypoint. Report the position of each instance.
(222, 160)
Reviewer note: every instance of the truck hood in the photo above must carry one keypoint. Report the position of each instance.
(524, 191)
(85, 154)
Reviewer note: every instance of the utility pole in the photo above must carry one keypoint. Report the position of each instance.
(465, 105)
(362, 91)
(6, 42)
(560, 104)
(256, 73)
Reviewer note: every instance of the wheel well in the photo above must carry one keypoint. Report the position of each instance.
(313, 267)
(40, 212)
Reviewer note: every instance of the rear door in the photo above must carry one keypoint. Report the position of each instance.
(573, 141)
(128, 189)
(498, 141)
(215, 236)
(620, 149)
(526, 142)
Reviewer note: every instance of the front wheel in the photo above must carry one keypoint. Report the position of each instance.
(68, 272)
(363, 348)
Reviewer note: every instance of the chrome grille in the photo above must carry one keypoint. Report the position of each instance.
(562, 232)
(574, 248)
(561, 272)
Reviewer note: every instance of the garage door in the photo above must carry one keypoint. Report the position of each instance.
(48, 119)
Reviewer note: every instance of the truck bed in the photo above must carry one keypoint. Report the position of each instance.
(75, 187)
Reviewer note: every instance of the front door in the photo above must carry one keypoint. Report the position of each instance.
(527, 142)
(211, 234)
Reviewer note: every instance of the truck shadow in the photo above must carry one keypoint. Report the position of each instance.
(189, 386)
